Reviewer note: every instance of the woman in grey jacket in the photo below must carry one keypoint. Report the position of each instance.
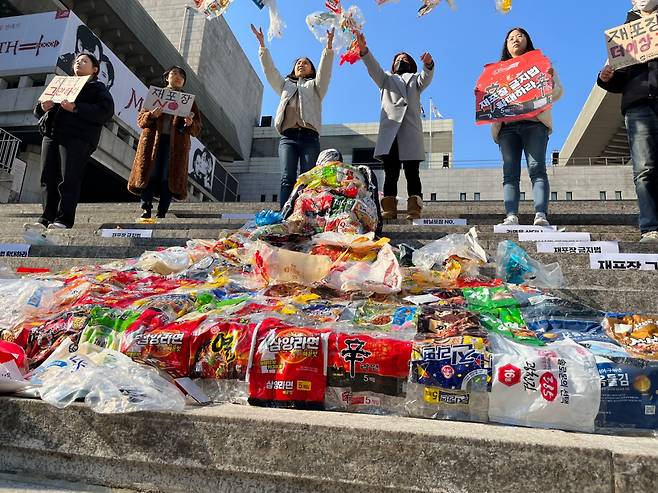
(400, 139)
(299, 115)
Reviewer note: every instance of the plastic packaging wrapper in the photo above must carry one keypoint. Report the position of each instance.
(504, 6)
(386, 318)
(14, 353)
(515, 266)
(109, 381)
(557, 386)
(105, 327)
(212, 8)
(463, 248)
(448, 321)
(280, 266)
(449, 379)
(637, 334)
(171, 260)
(11, 378)
(277, 25)
(288, 367)
(367, 374)
(382, 276)
(268, 216)
(20, 298)
(344, 21)
(429, 5)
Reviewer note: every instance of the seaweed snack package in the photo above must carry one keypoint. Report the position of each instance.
(106, 327)
(386, 318)
(221, 359)
(444, 321)
(288, 366)
(637, 334)
(40, 338)
(367, 374)
(509, 322)
(169, 347)
(449, 378)
(556, 386)
(489, 299)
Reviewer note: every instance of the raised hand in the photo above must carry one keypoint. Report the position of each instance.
(427, 59)
(330, 39)
(607, 73)
(361, 42)
(156, 112)
(47, 105)
(259, 35)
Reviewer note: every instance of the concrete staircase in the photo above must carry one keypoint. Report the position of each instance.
(233, 448)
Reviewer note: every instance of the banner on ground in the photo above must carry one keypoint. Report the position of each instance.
(633, 43)
(172, 102)
(64, 88)
(516, 89)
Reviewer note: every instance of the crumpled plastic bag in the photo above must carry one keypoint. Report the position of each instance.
(109, 382)
(504, 6)
(281, 266)
(344, 21)
(169, 261)
(462, 247)
(555, 386)
(515, 266)
(20, 298)
(11, 379)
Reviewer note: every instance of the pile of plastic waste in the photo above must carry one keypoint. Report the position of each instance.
(331, 320)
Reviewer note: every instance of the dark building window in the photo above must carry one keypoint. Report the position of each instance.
(553, 195)
(446, 160)
(262, 197)
(275, 198)
(569, 195)
(602, 195)
(522, 196)
(618, 195)
(476, 196)
(462, 197)
(433, 197)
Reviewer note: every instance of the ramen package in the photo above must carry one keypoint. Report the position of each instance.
(638, 334)
(449, 378)
(448, 321)
(367, 374)
(288, 367)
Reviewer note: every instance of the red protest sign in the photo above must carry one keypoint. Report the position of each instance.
(515, 89)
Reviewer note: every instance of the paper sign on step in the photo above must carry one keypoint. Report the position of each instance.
(624, 261)
(554, 236)
(14, 250)
(439, 222)
(238, 215)
(577, 247)
(422, 299)
(503, 228)
(126, 233)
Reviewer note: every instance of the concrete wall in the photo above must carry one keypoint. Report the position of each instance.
(214, 53)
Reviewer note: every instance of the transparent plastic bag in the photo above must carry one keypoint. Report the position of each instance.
(515, 266)
(169, 261)
(461, 246)
(20, 298)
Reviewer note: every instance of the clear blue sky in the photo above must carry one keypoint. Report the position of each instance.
(569, 32)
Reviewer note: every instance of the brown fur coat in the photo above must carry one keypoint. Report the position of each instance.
(147, 152)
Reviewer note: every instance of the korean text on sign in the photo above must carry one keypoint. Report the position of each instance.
(172, 102)
(63, 88)
(633, 43)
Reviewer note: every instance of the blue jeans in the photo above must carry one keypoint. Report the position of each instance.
(642, 128)
(159, 180)
(530, 138)
(298, 147)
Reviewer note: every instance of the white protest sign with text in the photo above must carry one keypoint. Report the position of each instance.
(554, 236)
(624, 261)
(632, 43)
(64, 88)
(126, 233)
(14, 250)
(578, 247)
(172, 102)
(439, 222)
(503, 228)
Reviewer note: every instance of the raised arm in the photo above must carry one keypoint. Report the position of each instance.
(375, 71)
(326, 65)
(273, 76)
(427, 74)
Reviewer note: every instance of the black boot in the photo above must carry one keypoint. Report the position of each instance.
(146, 214)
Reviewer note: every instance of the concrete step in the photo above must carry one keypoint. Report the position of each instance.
(249, 449)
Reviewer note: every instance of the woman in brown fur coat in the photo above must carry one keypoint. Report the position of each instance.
(161, 162)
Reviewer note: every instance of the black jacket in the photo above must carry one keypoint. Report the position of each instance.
(94, 107)
(638, 84)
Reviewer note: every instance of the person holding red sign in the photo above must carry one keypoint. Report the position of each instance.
(71, 131)
(400, 138)
(161, 161)
(638, 85)
(529, 136)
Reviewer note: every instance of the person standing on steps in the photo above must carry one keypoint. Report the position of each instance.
(525, 136)
(71, 131)
(161, 162)
(299, 115)
(400, 139)
(638, 85)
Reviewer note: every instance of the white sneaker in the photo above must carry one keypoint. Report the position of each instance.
(650, 237)
(36, 225)
(540, 219)
(57, 225)
(511, 220)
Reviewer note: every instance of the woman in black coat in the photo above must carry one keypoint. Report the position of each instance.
(71, 131)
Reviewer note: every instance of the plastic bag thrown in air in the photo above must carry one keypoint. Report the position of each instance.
(109, 382)
(462, 246)
(429, 5)
(515, 266)
(344, 21)
(504, 6)
(212, 8)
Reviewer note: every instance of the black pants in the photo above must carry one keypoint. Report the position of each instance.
(159, 180)
(392, 165)
(62, 168)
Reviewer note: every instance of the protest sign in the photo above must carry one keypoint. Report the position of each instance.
(172, 102)
(64, 88)
(515, 89)
(633, 43)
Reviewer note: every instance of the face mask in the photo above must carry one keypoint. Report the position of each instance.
(646, 5)
(403, 67)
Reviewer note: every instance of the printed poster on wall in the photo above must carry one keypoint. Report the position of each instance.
(633, 43)
(513, 90)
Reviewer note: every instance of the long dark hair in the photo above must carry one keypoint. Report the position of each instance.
(414, 67)
(506, 55)
(292, 75)
(94, 63)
